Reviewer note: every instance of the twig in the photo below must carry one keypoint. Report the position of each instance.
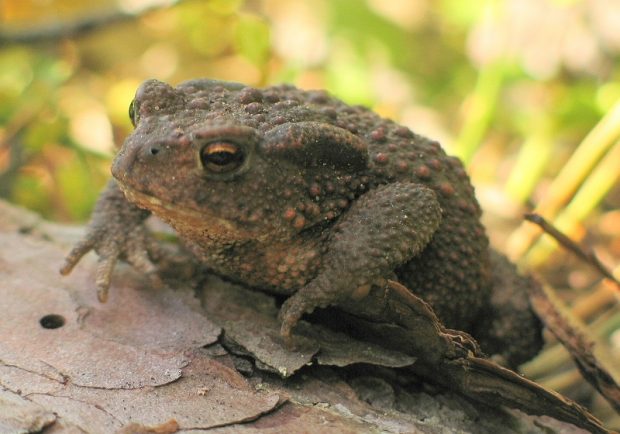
(61, 30)
(588, 256)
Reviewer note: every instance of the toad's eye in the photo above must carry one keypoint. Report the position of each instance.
(133, 113)
(221, 157)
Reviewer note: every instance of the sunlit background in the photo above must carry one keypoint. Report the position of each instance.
(526, 92)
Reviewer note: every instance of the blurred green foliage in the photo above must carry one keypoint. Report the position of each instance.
(63, 99)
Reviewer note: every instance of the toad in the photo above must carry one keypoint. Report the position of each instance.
(297, 193)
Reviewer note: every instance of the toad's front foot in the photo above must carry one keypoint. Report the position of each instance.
(290, 313)
(116, 232)
(137, 249)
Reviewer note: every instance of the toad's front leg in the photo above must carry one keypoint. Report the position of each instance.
(384, 228)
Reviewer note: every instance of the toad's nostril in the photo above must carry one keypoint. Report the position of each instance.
(154, 150)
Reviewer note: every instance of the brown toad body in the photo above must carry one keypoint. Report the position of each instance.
(297, 193)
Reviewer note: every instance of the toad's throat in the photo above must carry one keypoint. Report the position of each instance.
(188, 222)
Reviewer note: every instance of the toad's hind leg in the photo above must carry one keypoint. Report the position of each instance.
(508, 327)
(384, 228)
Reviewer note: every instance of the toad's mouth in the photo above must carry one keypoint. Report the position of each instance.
(186, 220)
(155, 204)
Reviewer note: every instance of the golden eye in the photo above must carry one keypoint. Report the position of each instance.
(133, 112)
(220, 157)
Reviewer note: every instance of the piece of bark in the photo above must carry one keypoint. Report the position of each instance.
(22, 415)
(456, 362)
(249, 319)
(136, 359)
(208, 393)
(578, 346)
(396, 319)
(135, 340)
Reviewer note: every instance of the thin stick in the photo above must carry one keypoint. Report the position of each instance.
(587, 255)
